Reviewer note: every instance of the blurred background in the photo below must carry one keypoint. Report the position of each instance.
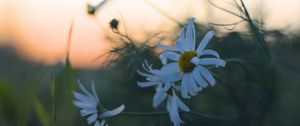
(46, 45)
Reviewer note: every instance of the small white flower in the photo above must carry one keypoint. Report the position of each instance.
(173, 106)
(165, 76)
(165, 89)
(90, 106)
(188, 60)
(173, 103)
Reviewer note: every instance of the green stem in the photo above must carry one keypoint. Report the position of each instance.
(236, 60)
(144, 113)
(162, 113)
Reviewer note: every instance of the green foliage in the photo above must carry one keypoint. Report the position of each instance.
(42, 113)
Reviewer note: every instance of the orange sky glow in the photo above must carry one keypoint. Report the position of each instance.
(39, 28)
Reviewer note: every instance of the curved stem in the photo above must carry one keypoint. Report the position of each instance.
(144, 113)
(162, 113)
(254, 29)
(228, 11)
(236, 60)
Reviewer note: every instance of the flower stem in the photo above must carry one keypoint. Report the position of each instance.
(235, 60)
(144, 113)
(162, 113)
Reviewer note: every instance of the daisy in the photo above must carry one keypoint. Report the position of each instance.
(165, 90)
(173, 103)
(90, 106)
(173, 106)
(155, 77)
(190, 61)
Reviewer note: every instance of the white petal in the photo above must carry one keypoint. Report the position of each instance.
(212, 61)
(143, 74)
(170, 67)
(84, 98)
(167, 86)
(209, 52)
(182, 46)
(207, 75)
(102, 122)
(159, 96)
(184, 88)
(147, 84)
(195, 60)
(168, 48)
(97, 123)
(198, 78)
(169, 101)
(191, 83)
(112, 112)
(83, 89)
(181, 43)
(170, 55)
(205, 41)
(84, 105)
(88, 111)
(148, 67)
(174, 113)
(182, 36)
(94, 92)
(92, 118)
(181, 105)
(190, 34)
(170, 76)
(163, 59)
(176, 87)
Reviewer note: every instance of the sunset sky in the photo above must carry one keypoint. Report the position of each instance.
(39, 28)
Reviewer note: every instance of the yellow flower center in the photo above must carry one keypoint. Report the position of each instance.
(185, 63)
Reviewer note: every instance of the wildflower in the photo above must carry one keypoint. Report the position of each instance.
(155, 77)
(173, 103)
(165, 89)
(173, 106)
(90, 106)
(190, 61)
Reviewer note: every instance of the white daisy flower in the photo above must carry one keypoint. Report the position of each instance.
(189, 60)
(90, 106)
(155, 77)
(173, 103)
(173, 106)
(165, 89)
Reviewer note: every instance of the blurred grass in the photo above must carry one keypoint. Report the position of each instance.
(42, 114)
(35, 95)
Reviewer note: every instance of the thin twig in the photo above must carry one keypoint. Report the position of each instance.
(254, 29)
(228, 11)
(233, 25)
(150, 38)
(123, 20)
(229, 24)
(124, 36)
